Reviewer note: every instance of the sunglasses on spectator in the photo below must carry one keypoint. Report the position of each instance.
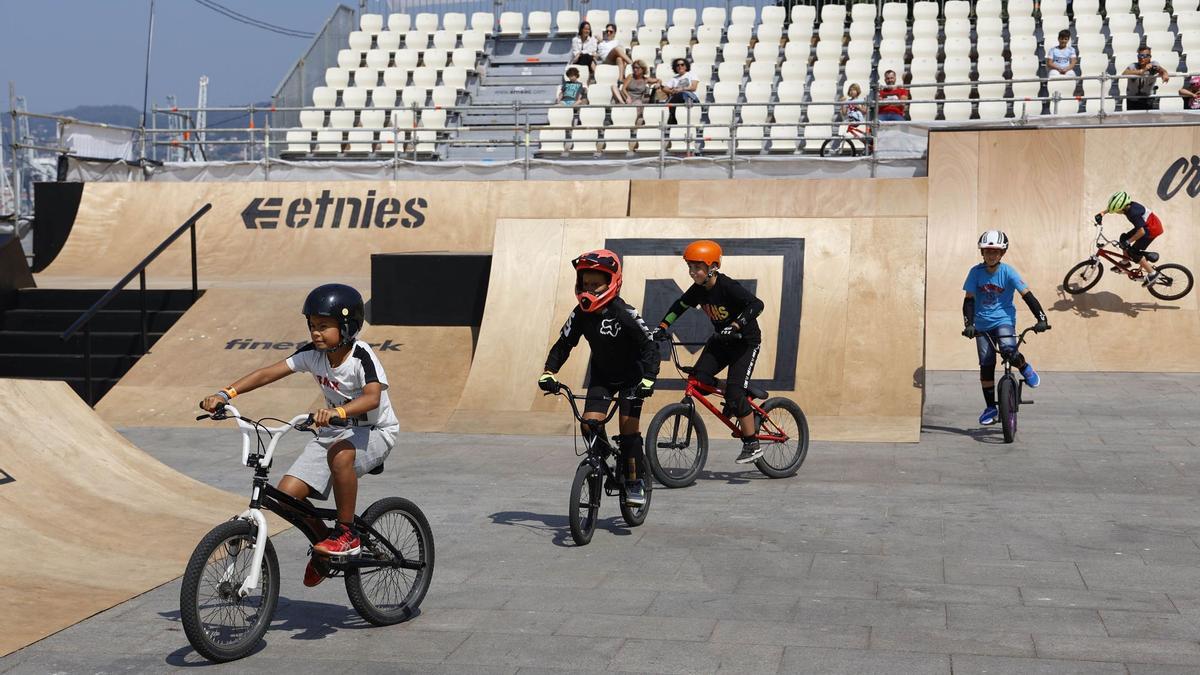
(1143, 56)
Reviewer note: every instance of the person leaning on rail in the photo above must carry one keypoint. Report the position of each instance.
(1142, 81)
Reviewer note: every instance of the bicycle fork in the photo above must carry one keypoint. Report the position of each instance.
(255, 516)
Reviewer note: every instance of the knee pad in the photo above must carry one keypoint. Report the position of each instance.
(987, 372)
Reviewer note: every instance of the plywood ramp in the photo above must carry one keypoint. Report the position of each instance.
(1042, 188)
(90, 520)
(850, 292)
(261, 250)
(299, 231)
(232, 331)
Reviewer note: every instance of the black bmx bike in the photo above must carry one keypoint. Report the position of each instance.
(231, 583)
(1010, 388)
(595, 477)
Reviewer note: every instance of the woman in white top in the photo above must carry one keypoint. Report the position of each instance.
(681, 88)
(610, 51)
(583, 49)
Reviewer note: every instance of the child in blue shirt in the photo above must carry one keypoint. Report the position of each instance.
(988, 310)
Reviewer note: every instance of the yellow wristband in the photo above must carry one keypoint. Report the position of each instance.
(231, 391)
(341, 412)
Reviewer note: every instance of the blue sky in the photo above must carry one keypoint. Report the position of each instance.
(64, 53)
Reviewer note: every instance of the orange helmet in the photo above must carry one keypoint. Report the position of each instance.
(600, 260)
(705, 251)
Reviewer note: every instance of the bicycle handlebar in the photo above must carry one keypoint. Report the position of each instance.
(565, 392)
(246, 425)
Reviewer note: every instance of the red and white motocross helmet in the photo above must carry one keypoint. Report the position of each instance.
(605, 262)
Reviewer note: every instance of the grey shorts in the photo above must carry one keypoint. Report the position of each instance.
(312, 466)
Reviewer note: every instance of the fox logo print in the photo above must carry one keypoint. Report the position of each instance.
(610, 327)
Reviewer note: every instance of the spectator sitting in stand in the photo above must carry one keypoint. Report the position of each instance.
(680, 89)
(1061, 60)
(610, 51)
(1191, 93)
(892, 112)
(572, 92)
(636, 88)
(583, 49)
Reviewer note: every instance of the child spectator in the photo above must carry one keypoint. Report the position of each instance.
(572, 92)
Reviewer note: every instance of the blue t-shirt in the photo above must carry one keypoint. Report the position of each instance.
(994, 295)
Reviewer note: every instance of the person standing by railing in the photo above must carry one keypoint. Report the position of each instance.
(1142, 81)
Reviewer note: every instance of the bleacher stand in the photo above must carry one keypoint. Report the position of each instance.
(769, 76)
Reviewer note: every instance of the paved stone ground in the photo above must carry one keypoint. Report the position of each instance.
(1072, 551)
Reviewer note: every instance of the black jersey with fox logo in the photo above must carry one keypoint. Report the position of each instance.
(622, 350)
(727, 301)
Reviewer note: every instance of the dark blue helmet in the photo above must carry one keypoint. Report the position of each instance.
(341, 302)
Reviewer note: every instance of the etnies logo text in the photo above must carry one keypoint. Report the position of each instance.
(266, 213)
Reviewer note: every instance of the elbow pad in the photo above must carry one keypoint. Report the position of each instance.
(1035, 306)
(968, 310)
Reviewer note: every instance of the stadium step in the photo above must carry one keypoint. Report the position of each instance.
(33, 318)
(59, 366)
(49, 342)
(105, 320)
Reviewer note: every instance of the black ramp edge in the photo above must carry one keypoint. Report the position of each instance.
(55, 206)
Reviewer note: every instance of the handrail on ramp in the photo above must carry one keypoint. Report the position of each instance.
(139, 270)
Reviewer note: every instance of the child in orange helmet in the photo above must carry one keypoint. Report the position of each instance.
(733, 311)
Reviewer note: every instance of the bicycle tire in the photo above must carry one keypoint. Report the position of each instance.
(688, 468)
(1085, 282)
(585, 502)
(389, 595)
(636, 515)
(783, 460)
(234, 540)
(839, 147)
(1006, 395)
(1169, 276)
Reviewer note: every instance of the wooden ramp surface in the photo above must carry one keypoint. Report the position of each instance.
(90, 519)
(857, 304)
(1042, 188)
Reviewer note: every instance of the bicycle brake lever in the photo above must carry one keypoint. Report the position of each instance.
(203, 417)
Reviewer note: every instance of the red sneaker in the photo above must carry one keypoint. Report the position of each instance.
(342, 541)
(316, 571)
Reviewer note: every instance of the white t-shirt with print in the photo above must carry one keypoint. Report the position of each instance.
(1061, 57)
(345, 383)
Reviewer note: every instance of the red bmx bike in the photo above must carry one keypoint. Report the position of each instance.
(1174, 281)
(677, 441)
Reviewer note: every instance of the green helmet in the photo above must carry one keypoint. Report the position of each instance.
(1118, 202)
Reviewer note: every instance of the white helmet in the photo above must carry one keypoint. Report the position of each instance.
(994, 239)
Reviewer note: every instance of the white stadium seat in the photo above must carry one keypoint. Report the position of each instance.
(511, 23)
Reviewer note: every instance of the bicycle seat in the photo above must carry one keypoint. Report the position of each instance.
(1151, 256)
(377, 470)
(758, 392)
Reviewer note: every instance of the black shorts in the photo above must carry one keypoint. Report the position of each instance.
(583, 60)
(1139, 247)
(739, 356)
(599, 397)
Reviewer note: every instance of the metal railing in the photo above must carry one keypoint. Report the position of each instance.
(139, 270)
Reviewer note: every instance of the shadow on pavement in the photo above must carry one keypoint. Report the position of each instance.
(556, 525)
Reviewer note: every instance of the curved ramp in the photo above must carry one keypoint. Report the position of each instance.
(842, 327)
(89, 520)
(1043, 187)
